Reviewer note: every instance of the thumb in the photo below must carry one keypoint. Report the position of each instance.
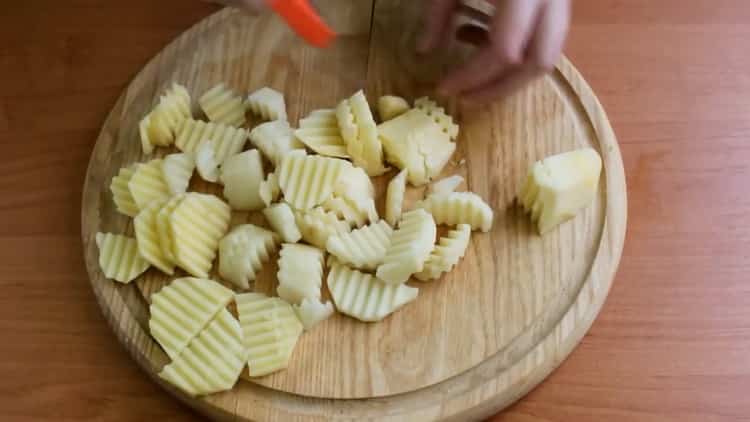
(439, 13)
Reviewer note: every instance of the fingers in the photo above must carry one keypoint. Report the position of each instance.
(520, 55)
(509, 36)
(439, 14)
(512, 28)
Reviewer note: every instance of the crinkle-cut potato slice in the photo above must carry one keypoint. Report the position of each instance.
(391, 106)
(198, 223)
(159, 127)
(438, 114)
(415, 142)
(222, 105)
(354, 185)
(447, 185)
(180, 311)
(365, 297)
(228, 140)
(311, 312)
(121, 195)
(163, 228)
(205, 162)
(148, 184)
(410, 247)
(178, 169)
(560, 186)
(317, 226)
(362, 248)
(243, 251)
(147, 235)
(319, 131)
(213, 360)
(242, 175)
(394, 199)
(270, 330)
(360, 133)
(349, 212)
(119, 259)
(300, 273)
(449, 250)
(459, 208)
(275, 139)
(308, 180)
(282, 220)
(269, 189)
(267, 103)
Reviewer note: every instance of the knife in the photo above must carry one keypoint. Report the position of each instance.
(304, 20)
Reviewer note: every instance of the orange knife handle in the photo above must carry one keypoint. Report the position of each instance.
(303, 19)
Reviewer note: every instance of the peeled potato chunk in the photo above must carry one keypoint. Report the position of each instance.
(390, 106)
(242, 175)
(243, 251)
(560, 186)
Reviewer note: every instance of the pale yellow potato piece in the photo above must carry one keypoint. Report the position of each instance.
(243, 251)
(163, 228)
(394, 199)
(269, 189)
(147, 235)
(350, 212)
(159, 127)
(121, 195)
(182, 309)
(148, 184)
(560, 186)
(205, 162)
(197, 224)
(449, 250)
(459, 208)
(391, 106)
(354, 185)
(447, 185)
(311, 312)
(213, 360)
(320, 132)
(267, 103)
(227, 140)
(300, 273)
(415, 142)
(242, 175)
(439, 115)
(222, 105)
(119, 259)
(308, 180)
(282, 220)
(270, 330)
(275, 139)
(360, 133)
(410, 247)
(365, 297)
(363, 248)
(317, 225)
(178, 169)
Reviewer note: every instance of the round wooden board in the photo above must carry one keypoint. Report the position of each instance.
(473, 342)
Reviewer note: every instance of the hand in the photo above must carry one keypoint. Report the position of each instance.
(252, 6)
(525, 40)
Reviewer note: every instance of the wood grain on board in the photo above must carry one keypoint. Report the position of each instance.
(678, 103)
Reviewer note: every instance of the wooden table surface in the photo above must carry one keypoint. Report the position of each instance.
(673, 340)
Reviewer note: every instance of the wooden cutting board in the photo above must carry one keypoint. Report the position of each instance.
(471, 343)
